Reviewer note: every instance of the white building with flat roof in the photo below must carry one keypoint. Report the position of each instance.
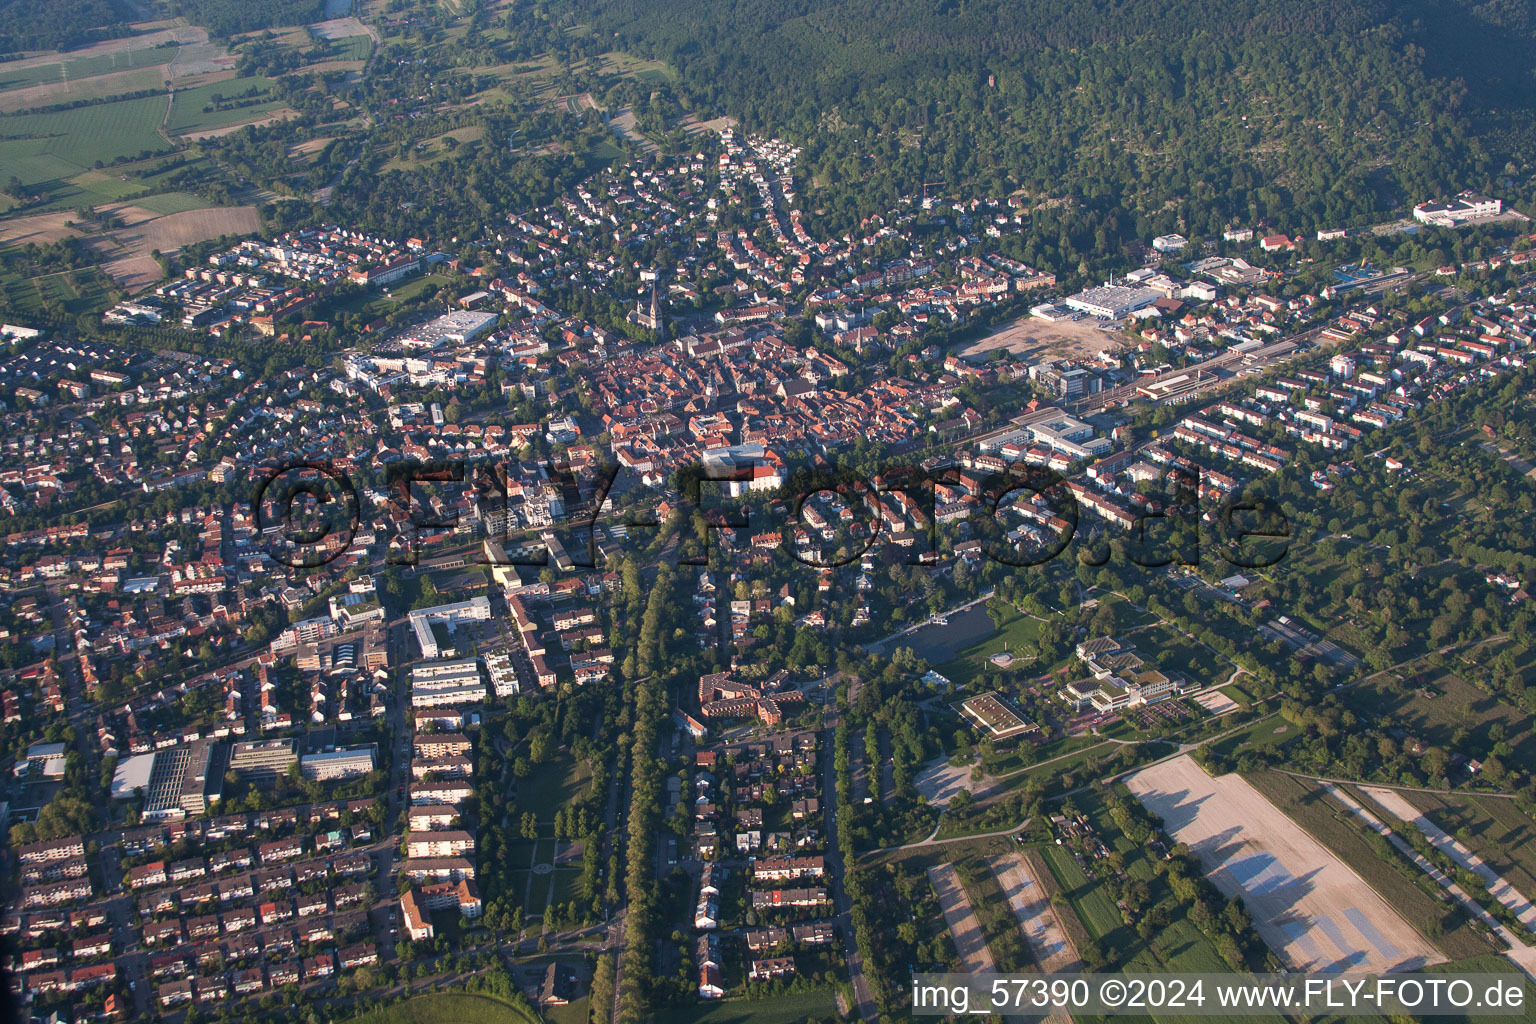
(1465, 207)
(459, 326)
(1112, 301)
(477, 609)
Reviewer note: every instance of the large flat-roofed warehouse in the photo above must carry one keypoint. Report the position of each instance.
(464, 325)
(1113, 301)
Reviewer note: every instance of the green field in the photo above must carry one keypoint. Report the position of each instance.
(188, 113)
(54, 147)
(1017, 633)
(173, 202)
(788, 1008)
(78, 68)
(78, 291)
(138, 80)
(1179, 946)
(1172, 651)
(1369, 857)
(448, 1008)
(553, 785)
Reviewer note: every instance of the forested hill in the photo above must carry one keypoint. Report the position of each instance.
(1229, 109)
(58, 24)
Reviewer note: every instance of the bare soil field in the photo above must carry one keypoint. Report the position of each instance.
(939, 781)
(1215, 702)
(1037, 919)
(1306, 903)
(129, 248)
(970, 942)
(281, 114)
(39, 228)
(341, 28)
(1030, 336)
(201, 59)
(1396, 804)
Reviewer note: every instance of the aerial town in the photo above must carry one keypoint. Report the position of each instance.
(655, 607)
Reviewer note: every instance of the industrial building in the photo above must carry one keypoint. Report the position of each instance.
(1112, 301)
(460, 326)
(1465, 207)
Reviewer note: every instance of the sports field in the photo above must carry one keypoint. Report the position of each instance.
(1306, 904)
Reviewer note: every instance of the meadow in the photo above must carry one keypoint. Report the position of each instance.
(55, 147)
(448, 1008)
(188, 113)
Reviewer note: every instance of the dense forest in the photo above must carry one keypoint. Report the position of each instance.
(1273, 111)
(68, 24)
(229, 17)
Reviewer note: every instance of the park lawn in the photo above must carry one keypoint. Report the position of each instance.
(553, 785)
(448, 1008)
(1269, 733)
(1127, 615)
(1415, 897)
(565, 885)
(428, 151)
(1496, 830)
(574, 1012)
(781, 1008)
(79, 291)
(188, 113)
(1172, 651)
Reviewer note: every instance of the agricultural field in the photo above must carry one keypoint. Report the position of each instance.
(1043, 932)
(1306, 903)
(1499, 887)
(128, 250)
(1496, 830)
(83, 65)
(964, 928)
(50, 148)
(1399, 883)
(219, 105)
(1091, 919)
